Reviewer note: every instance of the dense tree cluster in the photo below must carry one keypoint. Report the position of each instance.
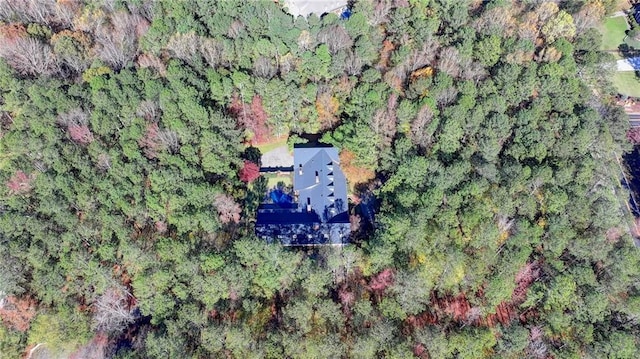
(485, 129)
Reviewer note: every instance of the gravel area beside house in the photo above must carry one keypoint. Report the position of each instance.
(278, 157)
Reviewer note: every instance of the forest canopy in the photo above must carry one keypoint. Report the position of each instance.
(486, 131)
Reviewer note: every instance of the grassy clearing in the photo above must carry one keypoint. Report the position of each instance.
(273, 179)
(627, 83)
(632, 43)
(613, 32)
(268, 146)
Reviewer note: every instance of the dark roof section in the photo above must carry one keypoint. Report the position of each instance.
(287, 218)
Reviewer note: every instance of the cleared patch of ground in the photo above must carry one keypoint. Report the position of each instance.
(273, 144)
(277, 157)
(627, 83)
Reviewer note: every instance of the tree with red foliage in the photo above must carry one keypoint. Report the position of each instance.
(249, 172)
(382, 280)
(251, 118)
(258, 120)
(524, 278)
(149, 142)
(633, 135)
(347, 297)
(20, 183)
(80, 134)
(238, 109)
(420, 351)
(76, 121)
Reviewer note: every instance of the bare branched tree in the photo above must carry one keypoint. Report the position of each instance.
(112, 310)
(498, 19)
(380, 13)
(104, 162)
(263, 67)
(76, 121)
(447, 96)
(449, 61)
(537, 347)
(472, 70)
(336, 38)
(423, 55)
(546, 10)
(29, 56)
(149, 110)
(150, 60)
(118, 41)
(228, 210)
(143, 8)
(235, 29)
(45, 12)
(184, 46)
(76, 116)
(418, 127)
(589, 16)
(352, 63)
(212, 51)
(169, 139)
(384, 122)
(504, 222)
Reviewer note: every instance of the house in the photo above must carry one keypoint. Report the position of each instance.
(317, 211)
(318, 7)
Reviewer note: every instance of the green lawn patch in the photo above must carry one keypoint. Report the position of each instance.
(268, 146)
(613, 32)
(627, 83)
(273, 179)
(632, 43)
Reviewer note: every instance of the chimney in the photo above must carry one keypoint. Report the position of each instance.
(317, 178)
(308, 204)
(300, 169)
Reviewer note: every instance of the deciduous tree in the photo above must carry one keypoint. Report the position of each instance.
(228, 210)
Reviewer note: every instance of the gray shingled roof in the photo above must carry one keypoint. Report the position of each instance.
(319, 181)
(307, 7)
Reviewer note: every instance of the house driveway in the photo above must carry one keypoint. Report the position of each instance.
(630, 64)
(278, 157)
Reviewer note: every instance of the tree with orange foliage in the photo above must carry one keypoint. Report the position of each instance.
(17, 313)
(354, 173)
(327, 108)
(73, 49)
